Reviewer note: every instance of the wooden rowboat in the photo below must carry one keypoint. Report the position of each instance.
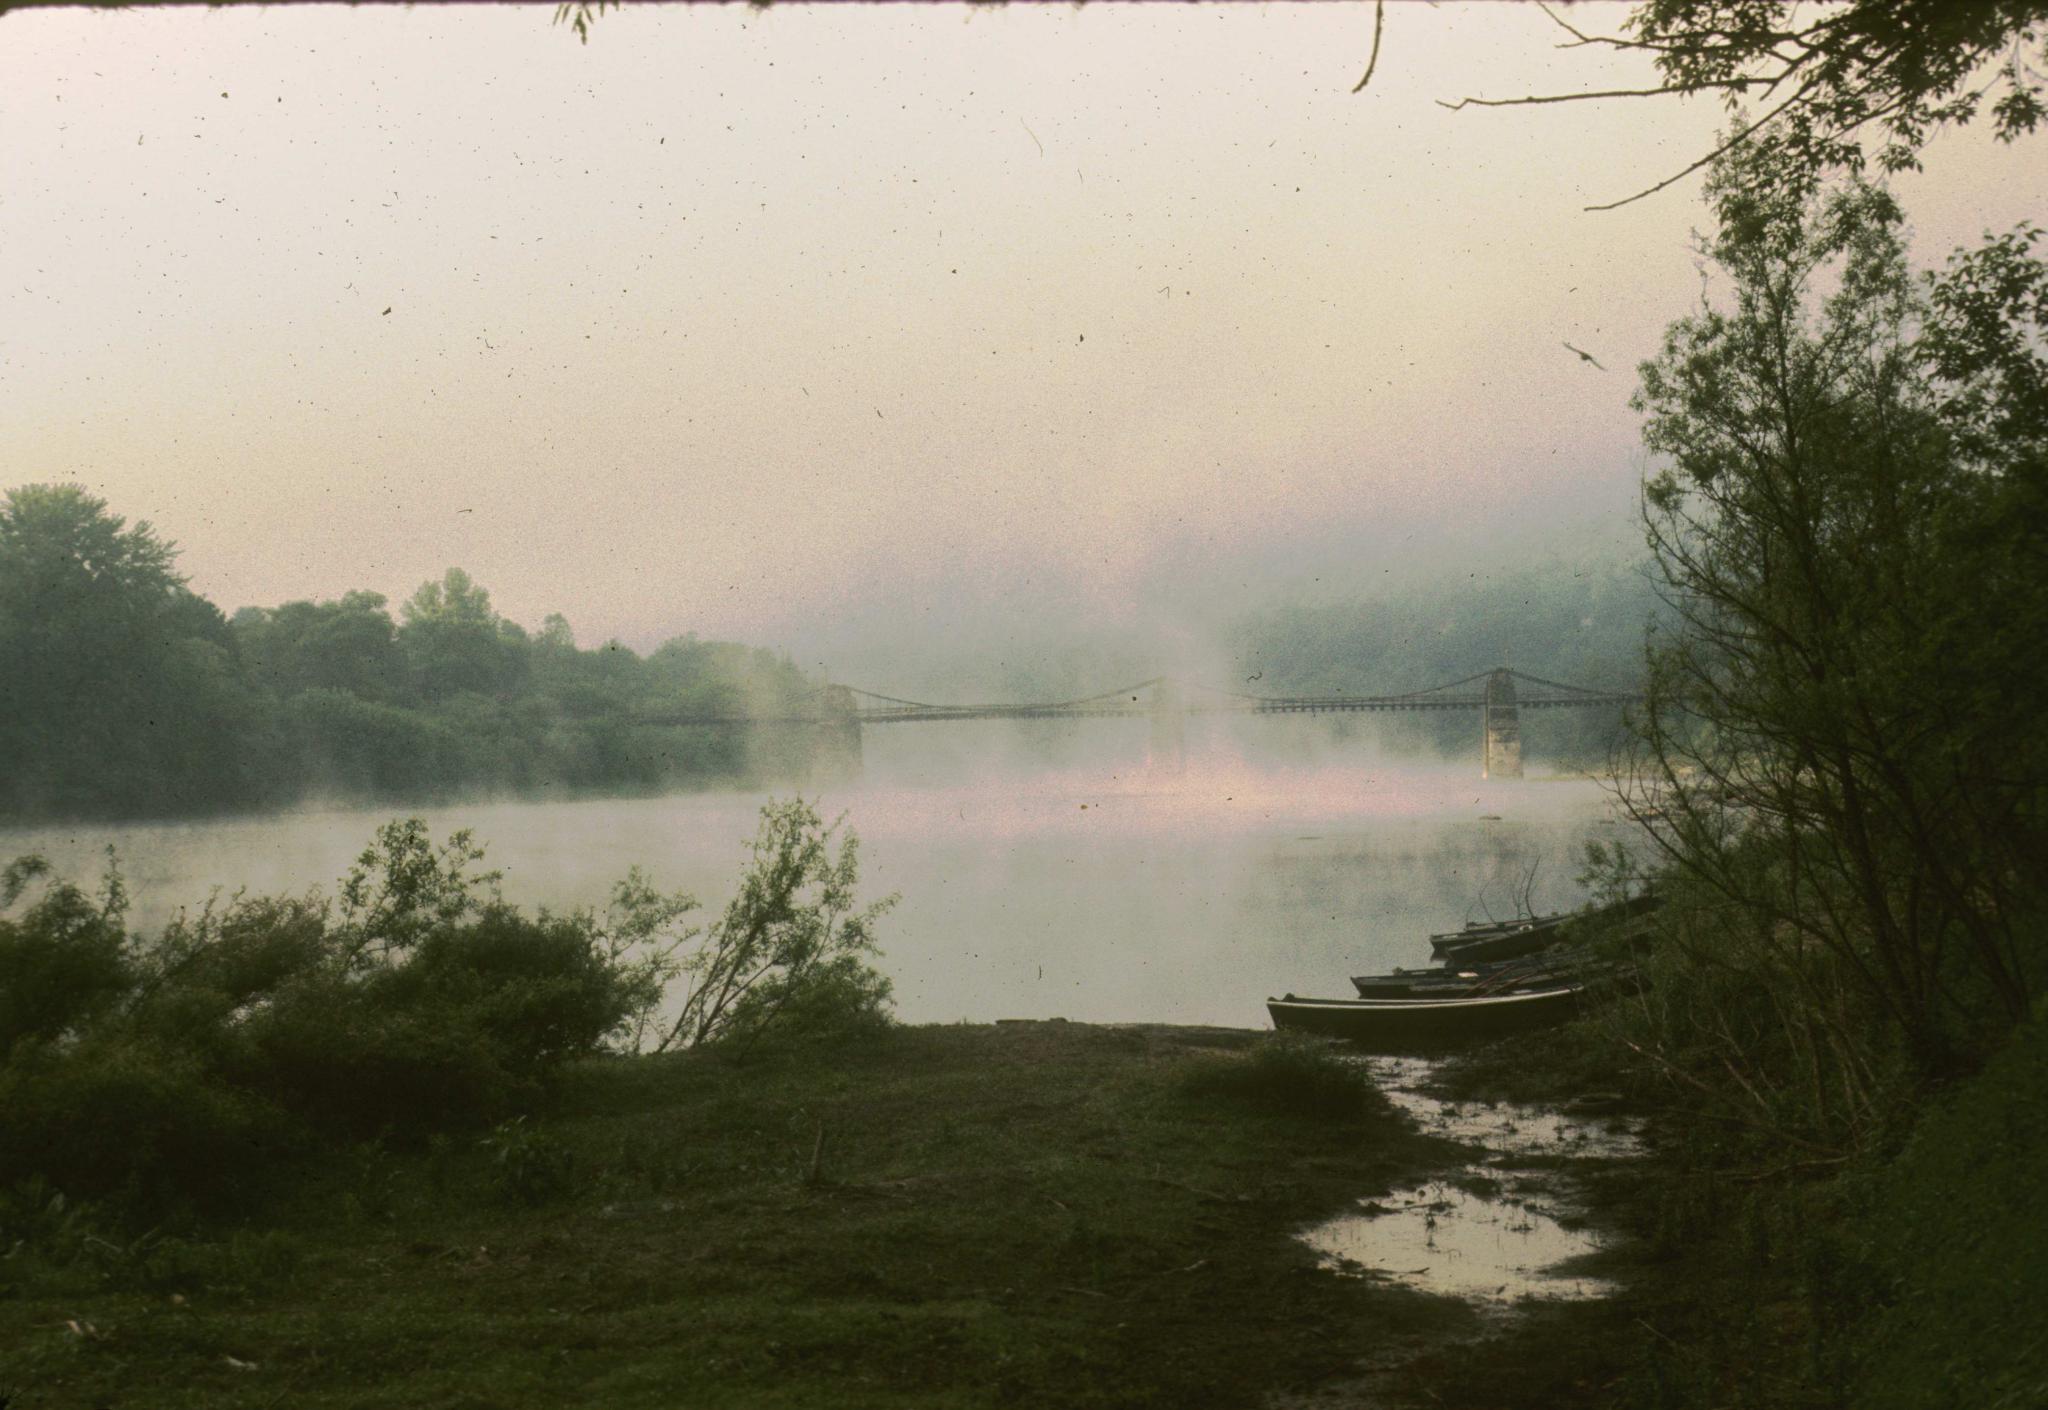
(1506, 940)
(1402, 1024)
(1475, 980)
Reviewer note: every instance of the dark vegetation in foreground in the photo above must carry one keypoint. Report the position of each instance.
(177, 1075)
(1031, 1214)
(409, 1145)
(1910, 1278)
(1841, 771)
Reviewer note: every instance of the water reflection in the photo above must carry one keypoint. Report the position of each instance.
(1083, 892)
(1492, 1235)
(1453, 1242)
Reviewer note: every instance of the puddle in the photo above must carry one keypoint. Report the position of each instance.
(1504, 1129)
(1493, 1234)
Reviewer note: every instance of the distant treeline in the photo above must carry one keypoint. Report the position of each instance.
(124, 693)
(1580, 623)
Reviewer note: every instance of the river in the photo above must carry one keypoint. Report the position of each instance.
(1082, 888)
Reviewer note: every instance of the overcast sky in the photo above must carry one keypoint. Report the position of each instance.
(814, 326)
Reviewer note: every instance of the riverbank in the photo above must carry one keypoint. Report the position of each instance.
(1045, 1214)
(1908, 1278)
(1040, 1214)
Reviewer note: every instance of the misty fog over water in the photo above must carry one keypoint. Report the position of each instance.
(1041, 875)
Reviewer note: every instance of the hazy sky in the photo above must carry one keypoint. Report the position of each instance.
(814, 326)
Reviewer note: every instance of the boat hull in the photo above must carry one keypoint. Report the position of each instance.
(1401, 1025)
(1498, 942)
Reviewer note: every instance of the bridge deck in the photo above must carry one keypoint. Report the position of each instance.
(1305, 705)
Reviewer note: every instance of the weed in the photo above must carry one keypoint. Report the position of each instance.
(529, 1166)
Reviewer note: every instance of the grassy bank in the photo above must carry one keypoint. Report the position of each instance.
(1044, 1214)
(1908, 1278)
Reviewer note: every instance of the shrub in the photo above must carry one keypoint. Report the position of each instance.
(1953, 1232)
(838, 1000)
(539, 990)
(62, 962)
(1290, 1077)
(356, 1066)
(173, 1070)
(115, 1116)
(529, 1166)
(792, 933)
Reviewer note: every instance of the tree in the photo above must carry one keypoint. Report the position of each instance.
(350, 645)
(1836, 738)
(455, 642)
(555, 633)
(119, 689)
(1814, 84)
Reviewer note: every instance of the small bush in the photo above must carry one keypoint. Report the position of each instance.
(528, 1165)
(540, 990)
(117, 1117)
(792, 940)
(359, 1067)
(839, 1000)
(1293, 1078)
(61, 963)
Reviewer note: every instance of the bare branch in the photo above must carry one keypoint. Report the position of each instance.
(1710, 158)
(1538, 98)
(1379, 20)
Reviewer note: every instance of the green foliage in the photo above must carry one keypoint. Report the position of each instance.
(1950, 1240)
(61, 962)
(1829, 751)
(1988, 311)
(539, 990)
(354, 1065)
(1813, 88)
(581, 15)
(644, 940)
(348, 646)
(119, 689)
(791, 941)
(402, 887)
(454, 642)
(122, 693)
(529, 1165)
(1290, 1077)
(836, 1000)
(1906, 68)
(178, 1070)
(118, 1116)
(1840, 768)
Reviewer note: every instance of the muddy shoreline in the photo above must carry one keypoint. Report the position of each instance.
(1533, 1234)
(1048, 1214)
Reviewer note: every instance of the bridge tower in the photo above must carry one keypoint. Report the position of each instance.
(1501, 746)
(1169, 729)
(837, 756)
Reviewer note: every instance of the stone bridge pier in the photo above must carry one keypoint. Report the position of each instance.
(1501, 746)
(1169, 752)
(836, 755)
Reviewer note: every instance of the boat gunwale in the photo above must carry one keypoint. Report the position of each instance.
(1413, 1005)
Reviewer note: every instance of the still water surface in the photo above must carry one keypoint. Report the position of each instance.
(1092, 892)
(1497, 1232)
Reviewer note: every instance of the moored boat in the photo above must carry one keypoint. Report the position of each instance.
(1502, 940)
(1398, 1024)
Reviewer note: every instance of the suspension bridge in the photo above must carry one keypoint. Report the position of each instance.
(1498, 696)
